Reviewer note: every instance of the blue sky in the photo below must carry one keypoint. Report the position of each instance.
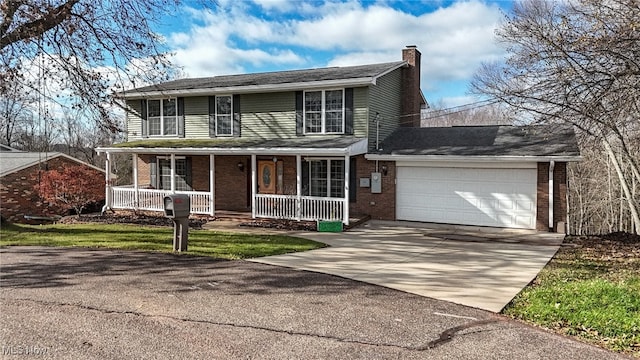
(269, 35)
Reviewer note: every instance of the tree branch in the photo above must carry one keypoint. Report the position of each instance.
(35, 28)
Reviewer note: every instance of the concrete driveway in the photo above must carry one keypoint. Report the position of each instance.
(479, 267)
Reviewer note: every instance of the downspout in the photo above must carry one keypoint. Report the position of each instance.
(552, 166)
(377, 120)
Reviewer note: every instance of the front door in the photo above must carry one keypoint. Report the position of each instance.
(266, 177)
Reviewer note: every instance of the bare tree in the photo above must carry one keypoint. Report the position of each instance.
(481, 113)
(576, 62)
(91, 47)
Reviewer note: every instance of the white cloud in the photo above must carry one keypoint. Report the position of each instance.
(453, 40)
(277, 5)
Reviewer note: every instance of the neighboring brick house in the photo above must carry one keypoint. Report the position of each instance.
(20, 173)
(321, 144)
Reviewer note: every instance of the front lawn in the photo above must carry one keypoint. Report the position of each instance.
(133, 237)
(590, 290)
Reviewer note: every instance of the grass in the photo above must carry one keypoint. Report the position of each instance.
(133, 237)
(590, 293)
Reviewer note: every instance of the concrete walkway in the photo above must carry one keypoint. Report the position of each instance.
(479, 267)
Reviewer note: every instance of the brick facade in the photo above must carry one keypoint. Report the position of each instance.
(233, 185)
(559, 196)
(19, 195)
(411, 93)
(379, 206)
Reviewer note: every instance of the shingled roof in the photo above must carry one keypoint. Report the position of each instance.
(12, 161)
(531, 141)
(263, 81)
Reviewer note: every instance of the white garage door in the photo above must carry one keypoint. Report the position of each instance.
(468, 196)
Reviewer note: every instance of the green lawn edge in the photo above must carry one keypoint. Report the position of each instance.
(221, 245)
(594, 300)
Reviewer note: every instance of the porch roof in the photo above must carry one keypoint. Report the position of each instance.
(310, 145)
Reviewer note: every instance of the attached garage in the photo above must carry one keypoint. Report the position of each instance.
(496, 176)
(485, 196)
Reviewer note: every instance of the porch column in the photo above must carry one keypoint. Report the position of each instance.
(254, 185)
(298, 187)
(345, 216)
(173, 173)
(108, 202)
(136, 194)
(212, 184)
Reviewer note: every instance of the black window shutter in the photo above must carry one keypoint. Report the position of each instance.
(212, 116)
(153, 172)
(189, 176)
(181, 117)
(236, 115)
(348, 111)
(144, 120)
(353, 179)
(299, 113)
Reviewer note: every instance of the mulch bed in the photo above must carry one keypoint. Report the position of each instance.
(195, 222)
(143, 219)
(282, 225)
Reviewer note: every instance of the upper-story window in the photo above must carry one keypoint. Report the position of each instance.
(224, 116)
(324, 112)
(162, 116)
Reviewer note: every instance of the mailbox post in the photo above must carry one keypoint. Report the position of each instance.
(177, 208)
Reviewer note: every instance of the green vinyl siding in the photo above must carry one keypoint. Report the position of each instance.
(134, 121)
(268, 115)
(196, 117)
(263, 116)
(385, 99)
(360, 111)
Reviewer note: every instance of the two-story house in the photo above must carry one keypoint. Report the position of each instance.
(320, 144)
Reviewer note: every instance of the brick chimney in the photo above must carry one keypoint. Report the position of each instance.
(411, 95)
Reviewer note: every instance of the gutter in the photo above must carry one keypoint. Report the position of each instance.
(471, 158)
(357, 148)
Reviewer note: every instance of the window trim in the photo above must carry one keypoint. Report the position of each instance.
(159, 172)
(323, 112)
(162, 118)
(215, 115)
(328, 177)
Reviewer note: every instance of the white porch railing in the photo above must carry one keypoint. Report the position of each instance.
(152, 200)
(308, 208)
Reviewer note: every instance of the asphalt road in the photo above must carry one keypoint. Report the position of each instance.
(61, 303)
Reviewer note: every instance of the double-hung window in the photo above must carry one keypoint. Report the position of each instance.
(224, 116)
(162, 116)
(181, 174)
(324, 178)
(324, 112)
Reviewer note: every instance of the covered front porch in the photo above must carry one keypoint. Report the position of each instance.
(307, 182)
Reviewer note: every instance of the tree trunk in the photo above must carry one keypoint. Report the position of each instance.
(625, 187)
